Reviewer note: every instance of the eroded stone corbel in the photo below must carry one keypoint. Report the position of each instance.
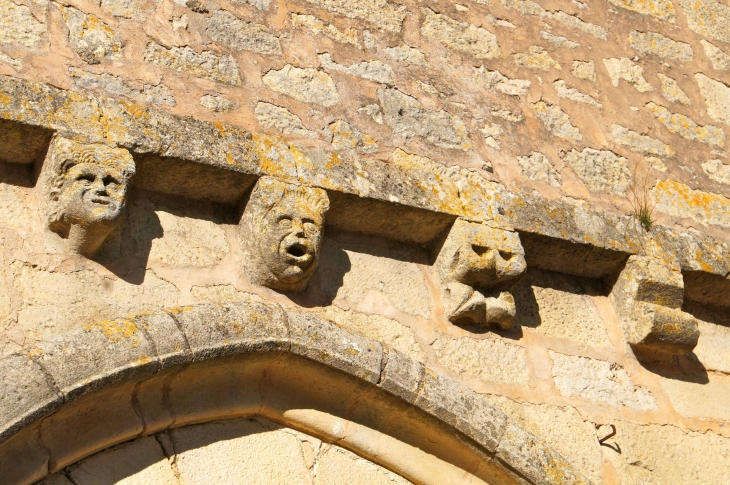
(282, 232)
(83, 191)
(478, 265)
(648, 298)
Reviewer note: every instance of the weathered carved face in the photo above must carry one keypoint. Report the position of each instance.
(294, 230)
(84, 192)
(92, 193)
(283, 230)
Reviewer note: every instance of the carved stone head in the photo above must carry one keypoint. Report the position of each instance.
(283, 226)
(477, 266)
(84, 192)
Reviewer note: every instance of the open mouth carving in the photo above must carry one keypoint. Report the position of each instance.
(297, 250)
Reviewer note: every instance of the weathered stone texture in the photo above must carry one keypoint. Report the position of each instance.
(377, 327)
(558, 40)
(216, 103)
(405, 53)
(381, 13)
(160, 94)
(538, 167)
(348, 36)
(460, 36)
(659, 45)
(278, 118)
(624, 69)
(661, 9)
(347, 137)
(710, 18)
(306, 85)
(486, 359)
(584, 70)
(640, 143)
(599, 380)
(686, 128)
(92, 38)
(503, 84)
(717, 98)
(678, 200)
(573, 94)
(188, 61)
(238, 34)
(717, 171)
(408, 118)
(19, 26)
(556, 121)
(14, 210)
(697, 398)
(536, 58)
(671, 90)
(129, 9)
(719, 59)
(374, 70)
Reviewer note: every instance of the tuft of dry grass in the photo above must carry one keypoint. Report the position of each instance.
(640, 199)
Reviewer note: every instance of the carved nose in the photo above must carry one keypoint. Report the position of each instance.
(508, 264)
(99, 188)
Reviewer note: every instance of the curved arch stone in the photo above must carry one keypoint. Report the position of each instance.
(114, 381)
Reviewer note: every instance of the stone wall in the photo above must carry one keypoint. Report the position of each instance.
(554, 119)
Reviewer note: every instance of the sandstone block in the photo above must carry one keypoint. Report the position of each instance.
(574, 22)
(601, 170)
(170, 344)
(686, 128)
(188, 61)
(347, 137)
(22, 458)
(710, 18)
(92, 38)
(305, 85)
(381, 13)
(584, 70)
(322, 341)
(401, 376)
(661, 9)
(538, 167)
(318, 27)
(598, 380)
(406, 53)
(128, 9)
(160, 94)
(574, 95)
(719, 59)
(536, 58)
(556, 121)
(558, 40)
(503, 84)
(281, 119)
(487, 359)
(18, 26)
(409, 118)
(624, 69)
(373, 70)
(238, 34)
(659, 45)
(215, 103)
(699, 399)
(671, 90)
(460, 36)
(640, 143)
(717, 98)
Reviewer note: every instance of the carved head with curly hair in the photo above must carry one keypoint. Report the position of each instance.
(86, 187)
(283, 224)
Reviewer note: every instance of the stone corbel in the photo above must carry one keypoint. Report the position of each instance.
(477, 266)
(648, 298)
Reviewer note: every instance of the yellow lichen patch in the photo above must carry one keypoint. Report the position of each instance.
(661, 9)
(686, 128)
(677, 199)
(142, 360)
(434, 180)
(114, 330)
(276, 157)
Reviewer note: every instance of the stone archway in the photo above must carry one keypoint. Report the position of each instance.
(116, 381)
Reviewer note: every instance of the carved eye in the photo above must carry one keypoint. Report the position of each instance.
(86, 177)
(309, 225)
(285, 221)
(505, 255)
(110, 181)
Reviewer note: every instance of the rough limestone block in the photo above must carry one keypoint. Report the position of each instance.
(648, 297)
(92, 39)
(381, 13)
(322, 341)
(533, 459)
(217, 330)
(95, 357)
(202, 64)
(17, 25)
(25, 394)
(401, 376)
(460, 36)
(238, 34)
(462, 408)
(478, 265)
(305, 85)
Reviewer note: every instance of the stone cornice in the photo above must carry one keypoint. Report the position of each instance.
(410, 199)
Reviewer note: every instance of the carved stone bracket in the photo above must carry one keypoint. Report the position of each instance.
(478, 265)
(83, 191)
(648, 297)
(282, 233)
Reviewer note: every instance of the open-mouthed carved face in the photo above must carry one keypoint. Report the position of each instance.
(291, 234)
(92, 194)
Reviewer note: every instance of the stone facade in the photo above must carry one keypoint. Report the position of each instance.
(364, 241)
